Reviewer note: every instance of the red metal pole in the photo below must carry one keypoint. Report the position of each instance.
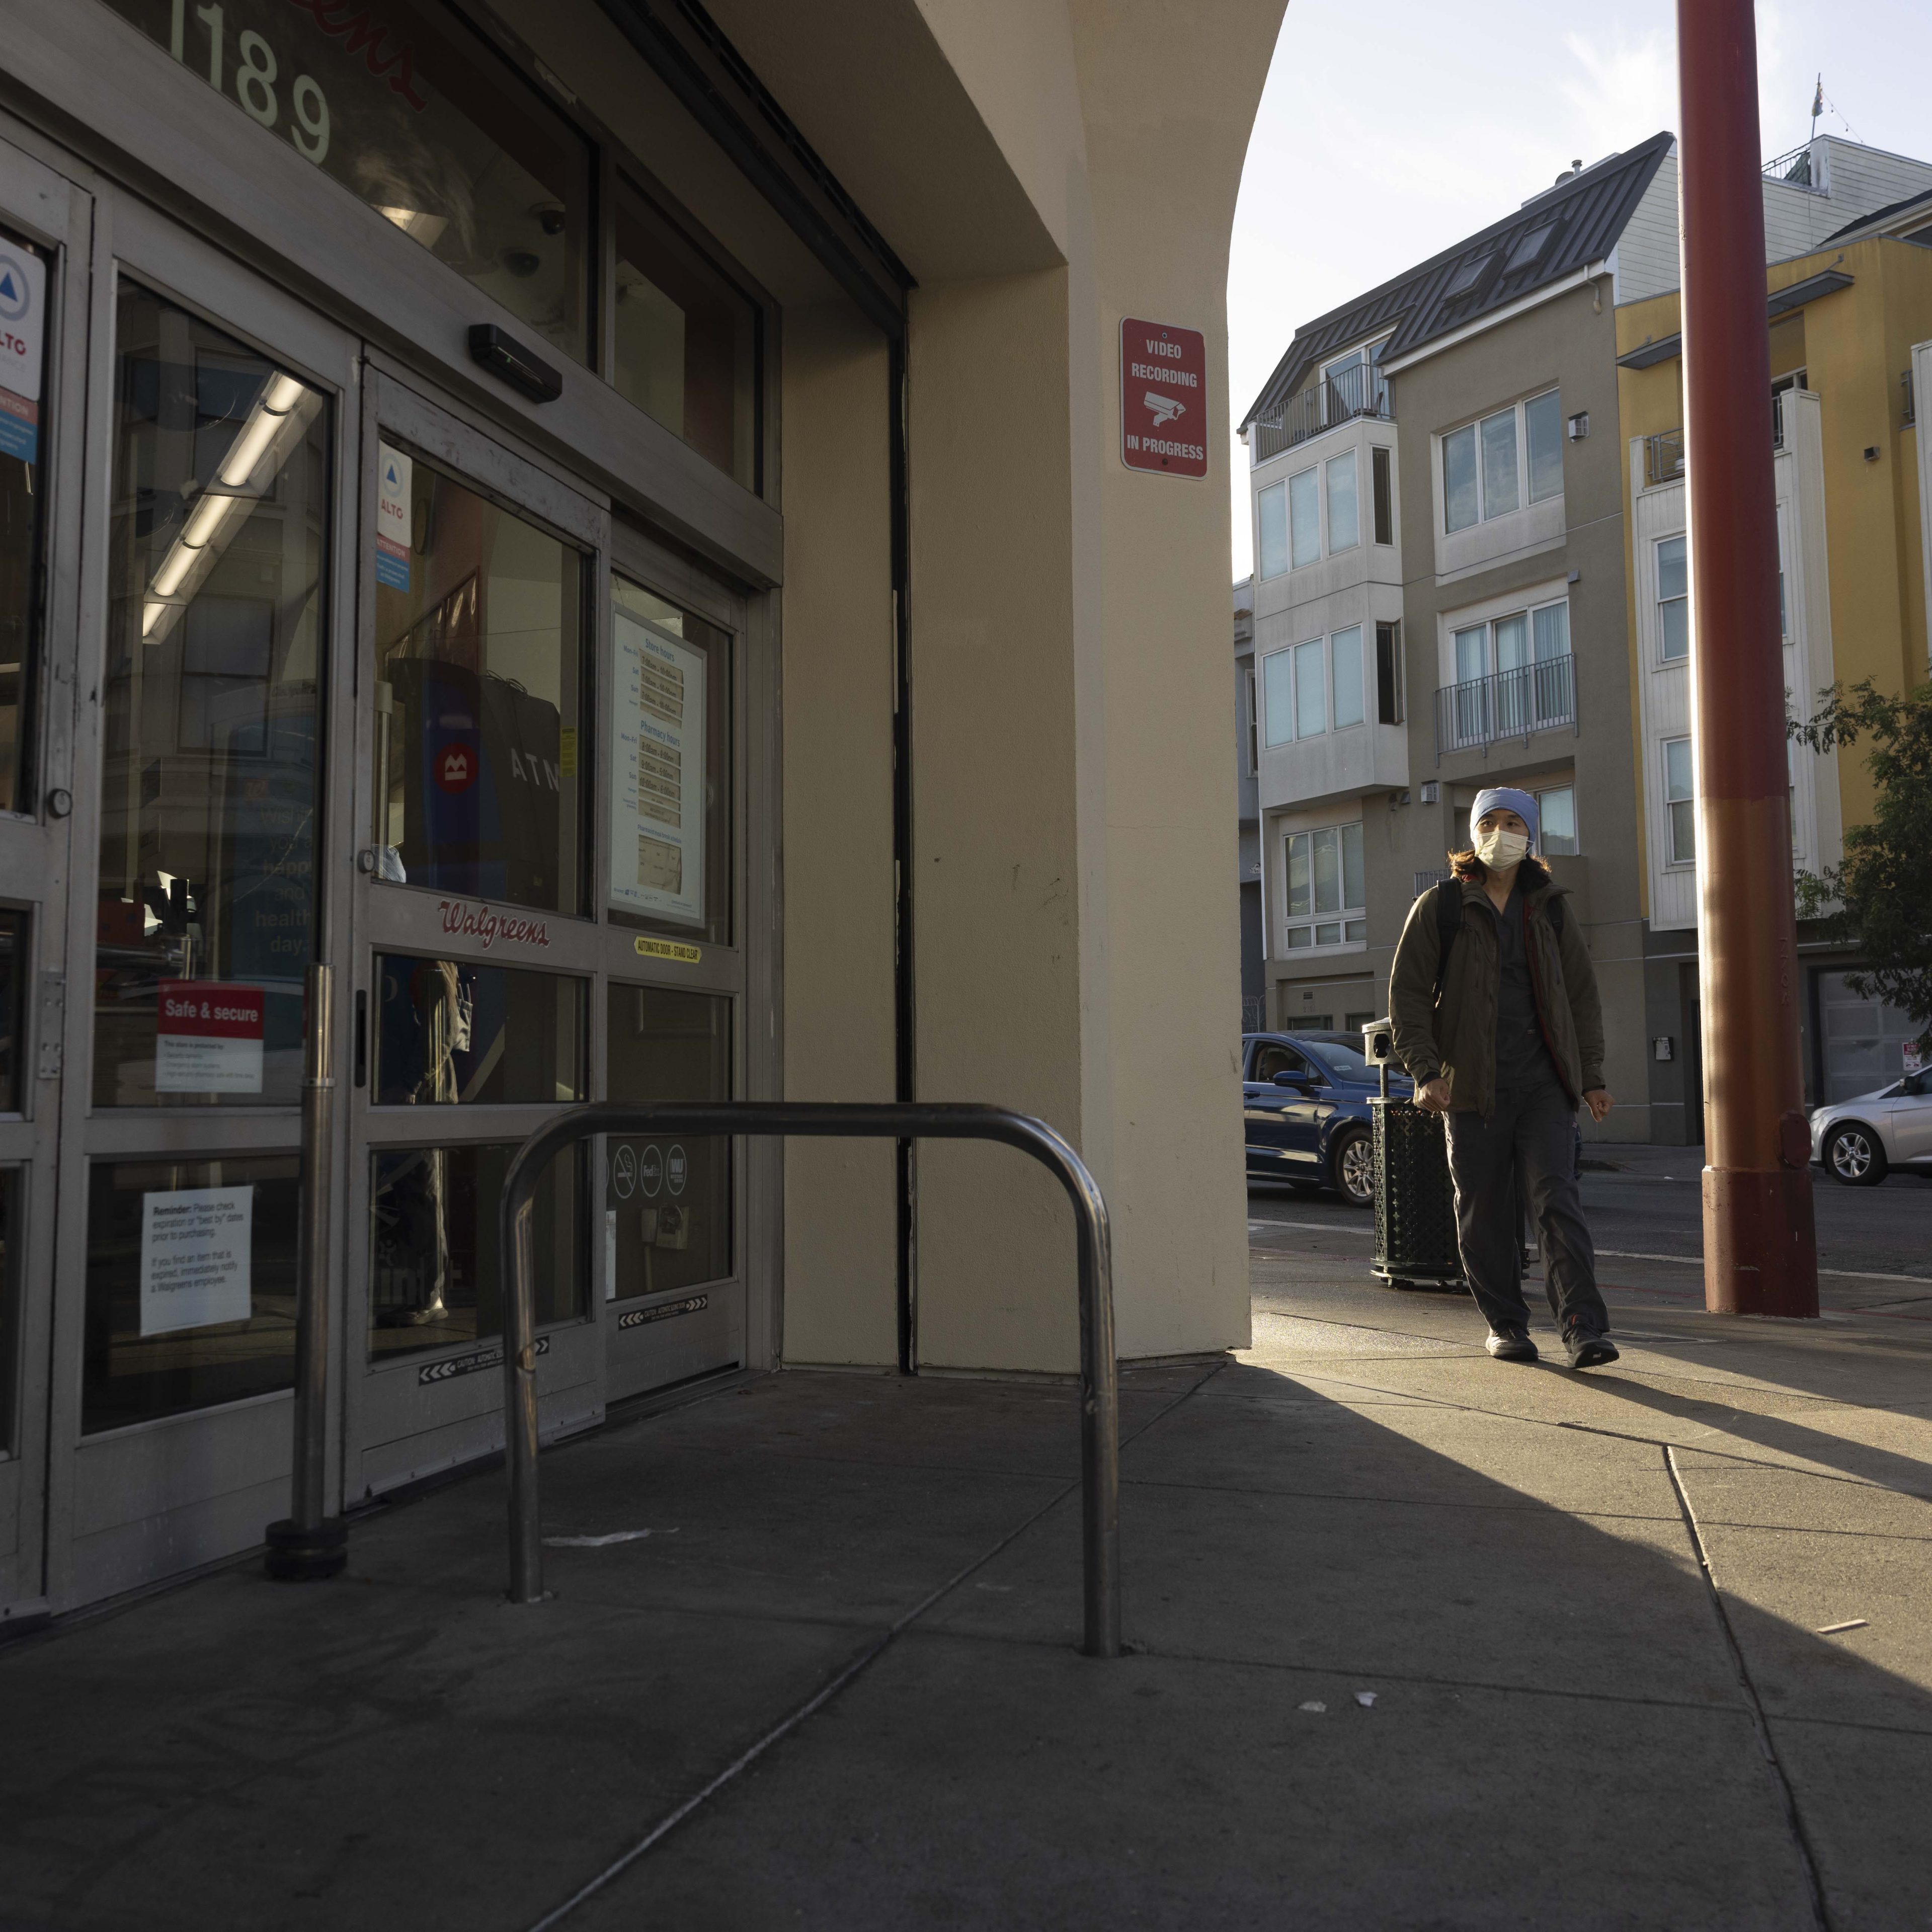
(1760, 1246)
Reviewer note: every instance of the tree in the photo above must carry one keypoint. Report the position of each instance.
(1879, 898)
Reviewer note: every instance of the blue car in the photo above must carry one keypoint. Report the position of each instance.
(1305, 1101)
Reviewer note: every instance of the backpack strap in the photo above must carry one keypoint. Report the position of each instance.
(1554, 906)
(1448, 923)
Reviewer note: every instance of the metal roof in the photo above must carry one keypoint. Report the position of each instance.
(1552, 234)
(1781, 301)
(1879, 216)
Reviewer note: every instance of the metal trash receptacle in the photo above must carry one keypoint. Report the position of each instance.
(1415, 1201)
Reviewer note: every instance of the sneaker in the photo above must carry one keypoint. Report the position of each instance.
(1512, 1344)
(1588, 1349)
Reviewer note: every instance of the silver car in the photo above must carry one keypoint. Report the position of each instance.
(1860, 1141)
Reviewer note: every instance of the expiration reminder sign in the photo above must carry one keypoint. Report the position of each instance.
(208, 1038)
(1163, 398)
(195, 1258)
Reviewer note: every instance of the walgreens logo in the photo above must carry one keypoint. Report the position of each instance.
(479, 922)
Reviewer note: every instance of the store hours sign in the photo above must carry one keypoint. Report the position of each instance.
(1163, 398)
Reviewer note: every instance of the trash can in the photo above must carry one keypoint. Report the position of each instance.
(1415, 1201)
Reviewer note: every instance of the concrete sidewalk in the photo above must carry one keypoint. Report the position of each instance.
(1422, 1640)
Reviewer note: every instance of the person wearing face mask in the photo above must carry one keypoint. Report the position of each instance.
(1495, 1013)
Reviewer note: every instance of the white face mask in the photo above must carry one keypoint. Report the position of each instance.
(1501, 849)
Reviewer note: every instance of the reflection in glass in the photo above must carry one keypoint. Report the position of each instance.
(10, 1179)
(217, 539)
(23, 360)
(433, 1274)
(449, 1033)
(667, 1197)
(685, 341)
(479, 673)
(190, 1286)
(416, 114)
(669, 744)
(12, 994)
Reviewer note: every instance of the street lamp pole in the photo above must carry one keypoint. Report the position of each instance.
(1760, 1246)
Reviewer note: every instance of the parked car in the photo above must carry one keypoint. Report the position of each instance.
(1305, 1100)
(1860, 1141)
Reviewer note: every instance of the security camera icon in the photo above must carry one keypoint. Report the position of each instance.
(1165, 408)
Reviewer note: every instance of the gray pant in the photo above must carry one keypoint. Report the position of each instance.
(1527, 1149)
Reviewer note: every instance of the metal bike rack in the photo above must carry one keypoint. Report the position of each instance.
(1099, 1396)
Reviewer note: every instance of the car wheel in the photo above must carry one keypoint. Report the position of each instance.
(1352, 1168)
(1853, 1155)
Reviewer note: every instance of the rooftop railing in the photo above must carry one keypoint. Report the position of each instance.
(1361, 390)
(1663, 453)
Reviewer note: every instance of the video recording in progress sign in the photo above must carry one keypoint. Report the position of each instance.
(1163, 398)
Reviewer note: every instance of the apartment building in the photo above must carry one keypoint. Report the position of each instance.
(1442, 597)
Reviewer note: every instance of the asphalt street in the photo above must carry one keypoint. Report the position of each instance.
(1644, 1202)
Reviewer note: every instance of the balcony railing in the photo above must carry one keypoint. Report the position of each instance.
(1431, 876)
(1663, 453)
(1361, 390)
(1505, 704)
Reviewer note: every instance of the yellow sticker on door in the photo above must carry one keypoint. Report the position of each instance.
(668, 949)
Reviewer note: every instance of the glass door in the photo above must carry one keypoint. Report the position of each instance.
(220, 406)
(675, 1210)
(476, 956)
(546, 911)
(46, 225)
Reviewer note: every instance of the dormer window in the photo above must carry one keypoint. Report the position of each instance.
(1530, 249)
(1467, 274)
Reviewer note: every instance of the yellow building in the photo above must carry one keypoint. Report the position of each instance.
(1845, 321)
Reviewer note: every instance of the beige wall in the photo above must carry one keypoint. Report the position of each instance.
(841, 1242)
(1044, 169)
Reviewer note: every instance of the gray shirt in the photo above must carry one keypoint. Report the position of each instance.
(1522, 1059)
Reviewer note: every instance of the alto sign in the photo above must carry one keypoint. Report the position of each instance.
(1163, 398)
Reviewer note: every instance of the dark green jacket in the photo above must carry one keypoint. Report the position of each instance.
(1458, 1037)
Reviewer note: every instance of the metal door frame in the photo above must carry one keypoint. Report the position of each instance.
(51, 206)
(119, 1513)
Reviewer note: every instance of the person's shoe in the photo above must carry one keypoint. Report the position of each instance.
(1513, 1344)
(1588, 1349)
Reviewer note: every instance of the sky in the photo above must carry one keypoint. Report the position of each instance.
(1384, 134)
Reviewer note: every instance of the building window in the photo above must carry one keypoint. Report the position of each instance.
(1680, 794)
(1311, 694)
(1557, 811)
(1502, 493)
(1492, 467)
(1272, 504)
(1344, 519)
(1388, 674)
(1304, 520)
(1254, 730)
(1344, 652)
(1543, 422)
(1513, 676)
(1327, 903)
(685, 340)
(1278, 697)
(419, 116)
(1384, 494)
(1673, 601)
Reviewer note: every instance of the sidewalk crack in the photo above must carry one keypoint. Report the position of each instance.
(1800, 1839)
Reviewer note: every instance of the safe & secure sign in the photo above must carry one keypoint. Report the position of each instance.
(1163, 398)
(208, 1038)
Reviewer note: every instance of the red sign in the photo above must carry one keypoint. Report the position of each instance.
(208, 1038)
(1163, 398)
(456, 768)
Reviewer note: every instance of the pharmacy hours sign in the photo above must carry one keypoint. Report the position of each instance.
(1163, 398)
